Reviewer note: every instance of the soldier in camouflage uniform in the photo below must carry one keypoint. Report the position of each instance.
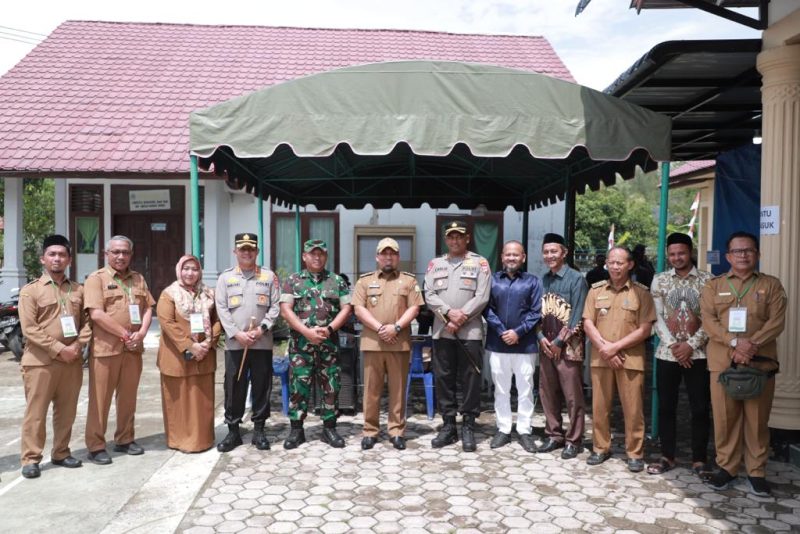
(315, 303)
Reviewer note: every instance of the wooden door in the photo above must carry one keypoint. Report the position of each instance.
(157, 245)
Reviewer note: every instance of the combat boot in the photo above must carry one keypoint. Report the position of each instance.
(468, 434)
(259, 437)
(296, 436)
(447, 434)
(330, 436)
(232, 440)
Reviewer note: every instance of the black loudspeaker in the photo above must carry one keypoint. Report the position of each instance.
(349, 374)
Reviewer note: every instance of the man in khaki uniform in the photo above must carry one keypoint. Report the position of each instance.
(743, 313)
(386, 301)
(56, 329)
(456, 291)
(618, 317)
(121, 307)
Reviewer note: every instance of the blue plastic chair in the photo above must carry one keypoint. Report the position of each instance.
(417, 370)
(280, 367)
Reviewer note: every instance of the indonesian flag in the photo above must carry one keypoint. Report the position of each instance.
(611, 238)
(694, 208)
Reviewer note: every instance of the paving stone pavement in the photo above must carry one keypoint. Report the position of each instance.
(316, 488)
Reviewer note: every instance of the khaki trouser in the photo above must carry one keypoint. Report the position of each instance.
(394, 366)
(58, 383)
(740, 429)
(630, 385)
(108, 375)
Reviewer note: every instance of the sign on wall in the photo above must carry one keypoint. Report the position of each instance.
(156, 199)
(770, 220)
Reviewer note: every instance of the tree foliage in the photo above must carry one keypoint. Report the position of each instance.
(633, 207)
(38, 220)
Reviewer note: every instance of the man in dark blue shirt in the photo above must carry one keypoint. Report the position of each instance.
(513, 311)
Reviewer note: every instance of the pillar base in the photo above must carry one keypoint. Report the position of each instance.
(10, 279)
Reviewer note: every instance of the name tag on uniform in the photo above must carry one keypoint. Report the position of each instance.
(196, 323)
(68, 326)
(737, 320)
(133, 310)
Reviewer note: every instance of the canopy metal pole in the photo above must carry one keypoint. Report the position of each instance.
(660, 266)
(569, 221)
(297, 237)
(260, 225)
(525, 215)
(195, 196)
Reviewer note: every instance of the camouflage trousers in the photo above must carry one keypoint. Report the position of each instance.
(307, 362)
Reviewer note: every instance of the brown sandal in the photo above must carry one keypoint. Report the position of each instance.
(660, 467)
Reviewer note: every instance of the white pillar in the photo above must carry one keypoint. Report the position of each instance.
(216, 242)
(780, 255)
(62, 208)
(12, 275)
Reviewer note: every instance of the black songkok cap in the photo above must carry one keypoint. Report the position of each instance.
(554, 238)
(678, 238)
(56, 239)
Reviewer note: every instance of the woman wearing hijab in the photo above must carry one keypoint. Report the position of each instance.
(187, 358)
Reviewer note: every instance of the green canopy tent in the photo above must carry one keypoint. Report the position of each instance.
(415, 132)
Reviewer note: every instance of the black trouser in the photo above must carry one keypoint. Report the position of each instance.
(450, 366)
(696, 377)
(259, 365)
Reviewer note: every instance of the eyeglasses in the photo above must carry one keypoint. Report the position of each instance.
(742, 251)
(119, 252)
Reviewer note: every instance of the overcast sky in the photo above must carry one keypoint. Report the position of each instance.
(596, 46)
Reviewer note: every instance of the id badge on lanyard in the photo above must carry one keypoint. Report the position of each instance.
(737, 320)
(133, 310)
(196, 323)
(68, 326)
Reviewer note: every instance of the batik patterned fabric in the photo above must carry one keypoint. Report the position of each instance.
(677, 303)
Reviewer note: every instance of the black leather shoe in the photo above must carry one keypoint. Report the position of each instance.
(132, 448)
(70, 462)
(296, 436)
(550, 445)
(100, 457)
(720, 480)
(332, 438)
(597, 458)
(570, 451)
(31, 471)
(398, 442)
(468, 434)
(447, 434)
(231, 441)
(367, 442)
(499, 440)
(259, 438)
(527, 442)
(635, 465)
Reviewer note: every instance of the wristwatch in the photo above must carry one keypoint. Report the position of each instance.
(734, 341)
(397, 328)
(264, 328)
(330, 330)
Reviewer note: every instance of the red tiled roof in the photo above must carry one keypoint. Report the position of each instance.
(692, 166)
(116, 97)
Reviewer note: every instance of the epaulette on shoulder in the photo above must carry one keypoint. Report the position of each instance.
(723, 275)
(601, 283)
(412, 275)
(30, 284)
(228, 269)
(366, 275)
(641, 285)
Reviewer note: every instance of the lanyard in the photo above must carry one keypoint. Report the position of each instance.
(739, 297)
(61, 301)
(125, 288)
